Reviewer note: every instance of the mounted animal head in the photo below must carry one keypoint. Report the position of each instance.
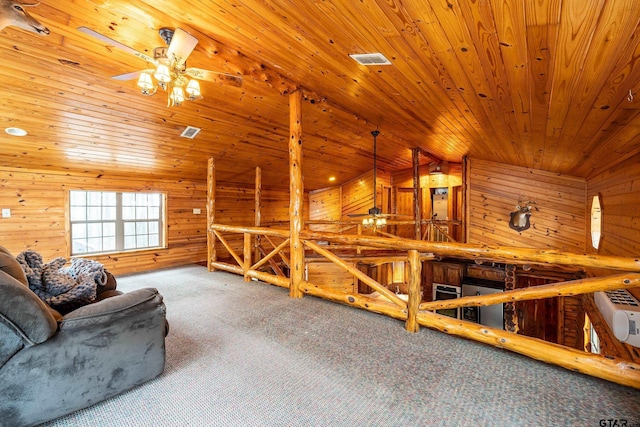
(520, 217)
(14, 13)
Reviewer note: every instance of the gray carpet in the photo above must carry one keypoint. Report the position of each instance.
(245, 354)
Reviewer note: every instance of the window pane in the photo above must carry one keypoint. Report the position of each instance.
(94, 244)
(153, 199)
(141, 228)
(154, 227)
(94, 198)
(109, 229)
(78, 213)
(141, 213)
(94, 230)
(129, 242)
(78, 198)
(142, 241)
(109, 244)
(79, 231)
(141, 199)
(78, 246)
(128, 199)
(94, 213)
(129, 228)
(154, 240)
(128, 212)
(109, 212)
(108, 199)
(154, 213)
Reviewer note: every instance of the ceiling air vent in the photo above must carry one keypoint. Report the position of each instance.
(190, 132)
(370, 59)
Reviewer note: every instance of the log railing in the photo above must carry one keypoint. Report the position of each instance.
(415, 313)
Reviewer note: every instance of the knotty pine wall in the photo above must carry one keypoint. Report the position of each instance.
(38, 217)
(558, 219)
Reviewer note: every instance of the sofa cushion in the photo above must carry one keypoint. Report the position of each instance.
(9, 265)
(23, 312)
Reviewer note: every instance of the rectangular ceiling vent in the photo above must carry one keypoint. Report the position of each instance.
(190, 132)
(370, 59)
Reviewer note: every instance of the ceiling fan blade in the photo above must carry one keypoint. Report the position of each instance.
(132, 75)
(181, 46)
(214, 76)
(117, 44)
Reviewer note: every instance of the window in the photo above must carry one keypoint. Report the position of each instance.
(109, 221)
(596, 222)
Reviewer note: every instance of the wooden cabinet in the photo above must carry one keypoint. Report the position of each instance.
(447, 273)
(495, 274)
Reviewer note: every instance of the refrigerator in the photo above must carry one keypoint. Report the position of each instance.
(492, 315)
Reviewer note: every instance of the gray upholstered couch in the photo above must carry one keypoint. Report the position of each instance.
(51, 367)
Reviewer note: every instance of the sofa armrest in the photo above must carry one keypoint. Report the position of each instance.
(112, 309)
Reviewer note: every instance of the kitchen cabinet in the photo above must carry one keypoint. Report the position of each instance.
(447, 273)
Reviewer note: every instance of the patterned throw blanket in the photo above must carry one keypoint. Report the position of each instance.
(63, 288)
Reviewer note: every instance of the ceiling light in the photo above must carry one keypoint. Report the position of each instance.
(370, 59)
(16, 131)
(332, 178)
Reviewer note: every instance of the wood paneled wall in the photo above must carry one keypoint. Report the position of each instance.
(559, 216)
(357, 194)
(326, 205)
(619, 190)
(38, 220)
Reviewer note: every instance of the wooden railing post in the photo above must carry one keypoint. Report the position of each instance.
(248, 250)
(258, 209)
(296, 193)
(211, 213)
(417, 196)
(415, 294)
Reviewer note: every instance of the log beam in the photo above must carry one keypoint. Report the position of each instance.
(415, 296)
(296, 193)
(211, 213)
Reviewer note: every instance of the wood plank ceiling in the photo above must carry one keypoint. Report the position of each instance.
(542, 84)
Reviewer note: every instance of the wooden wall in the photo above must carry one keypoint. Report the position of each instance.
(619, 190)
(559, 215)
(38, 219)
(357, 194)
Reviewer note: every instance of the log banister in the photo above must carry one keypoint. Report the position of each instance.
(574, 287)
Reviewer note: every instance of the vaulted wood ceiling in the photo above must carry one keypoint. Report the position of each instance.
(542, 84)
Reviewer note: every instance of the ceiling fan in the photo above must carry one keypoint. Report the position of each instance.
(171, 72)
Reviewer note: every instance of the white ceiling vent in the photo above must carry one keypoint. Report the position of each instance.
(190, 132)
(370, 59)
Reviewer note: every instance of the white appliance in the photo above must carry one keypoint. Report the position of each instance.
(490, 315)
(621, 311)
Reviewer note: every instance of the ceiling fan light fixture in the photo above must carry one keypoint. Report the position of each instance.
(162, 74)
(177, 96)
(145, 83)
(193, 89)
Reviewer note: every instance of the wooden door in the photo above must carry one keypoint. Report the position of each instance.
(537, 318)
(404, 207)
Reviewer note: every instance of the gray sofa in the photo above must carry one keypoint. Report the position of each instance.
(50, 367)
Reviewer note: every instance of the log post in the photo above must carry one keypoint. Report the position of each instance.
(248, 250)
(415, 296)
(258, 209)
(510, 312)
(296, 193)
(417, 199)
(211, 213)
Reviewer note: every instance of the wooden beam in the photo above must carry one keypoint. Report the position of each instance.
(247, 250)
(417, 199)
(258, 207)
(211, 213)
(415, 296)
(296, 193)
(512, 255)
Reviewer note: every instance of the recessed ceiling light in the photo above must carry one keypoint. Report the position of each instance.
(332, 178)
(370, 59)
(16, 131)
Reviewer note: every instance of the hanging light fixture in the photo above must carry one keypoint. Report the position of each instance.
(374, 218)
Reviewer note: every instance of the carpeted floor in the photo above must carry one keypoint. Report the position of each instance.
(245, 354)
